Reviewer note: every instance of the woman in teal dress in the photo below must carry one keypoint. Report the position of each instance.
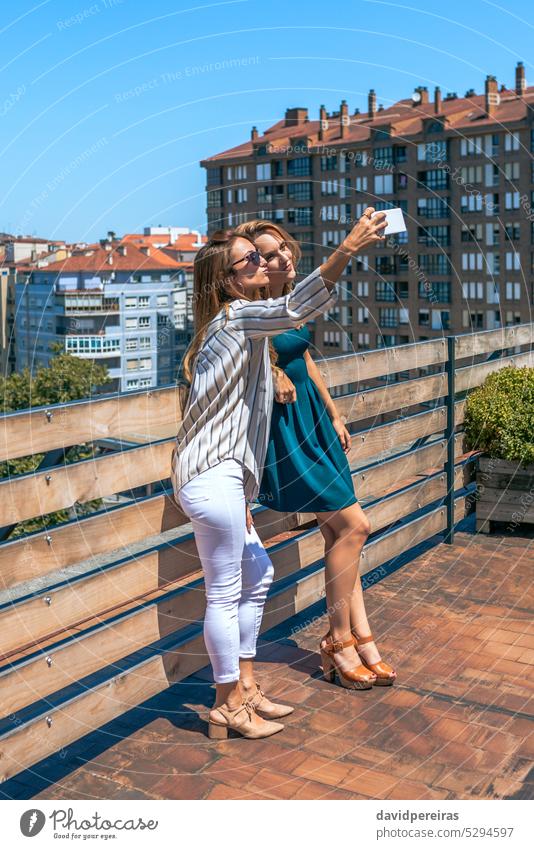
(306, 470)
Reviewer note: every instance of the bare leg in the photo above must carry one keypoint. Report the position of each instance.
(229, 694)
(345, 532)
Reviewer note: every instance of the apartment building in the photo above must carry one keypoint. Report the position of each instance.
(460, 168)
(110, 302)
(18, 254)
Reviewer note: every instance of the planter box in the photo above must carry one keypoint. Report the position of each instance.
(505, 493)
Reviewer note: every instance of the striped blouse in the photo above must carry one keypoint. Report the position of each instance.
(228, 412)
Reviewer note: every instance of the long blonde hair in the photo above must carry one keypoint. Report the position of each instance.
(211, 273)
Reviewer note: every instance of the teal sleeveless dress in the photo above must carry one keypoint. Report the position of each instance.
(306, 469)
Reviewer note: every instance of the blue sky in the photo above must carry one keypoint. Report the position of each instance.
(108, 106)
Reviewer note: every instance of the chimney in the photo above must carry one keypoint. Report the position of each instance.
(372, 103)
(520, 81)
(423, 91)
(111, 235)
(323, 122)
(437, 100)
(492, 97)
(296, 116)
(254, 134)
(344, 119)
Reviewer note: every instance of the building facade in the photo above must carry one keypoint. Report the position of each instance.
(112, 303)
(460, 168)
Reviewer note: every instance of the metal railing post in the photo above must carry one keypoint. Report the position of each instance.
(449, 433)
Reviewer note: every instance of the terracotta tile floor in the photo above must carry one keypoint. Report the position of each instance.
(456, 621)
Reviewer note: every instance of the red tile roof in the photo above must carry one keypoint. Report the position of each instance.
(405, 119)
(96, 258)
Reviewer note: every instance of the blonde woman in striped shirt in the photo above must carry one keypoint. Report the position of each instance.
(221, 446)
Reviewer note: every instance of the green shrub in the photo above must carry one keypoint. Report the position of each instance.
(499, 417)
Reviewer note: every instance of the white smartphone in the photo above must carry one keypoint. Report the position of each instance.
(394, 221)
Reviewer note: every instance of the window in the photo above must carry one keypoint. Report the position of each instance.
(472, 262)
(162, 300)
(330, 213)
(328, 163)
(384, 291)
(471, 203)
(299, 191)
(440, 319)
(299, 167)
(440, 291)
(363, 341)
(215, 198)
(144, 342)
(382, 156)
(471, 146)
(360, 184)
(432, 151)
(511, 170)
(264, 194)
(438, 234)
(384, 184)
(363, 315)
(513, 291)
(131, 344)
(144, 301)
(302, 216)
(436, 179)
(434, 263)
(331, 338)
(513, 261)
(130, 303)
(130, 323)
(145, 381)
(241, 172)
(145, 364)
(329, 187)
(241, 195)
(512, 230)
(424, 318)
(474, 233)
(472, 174)
(473, 291)
(511, 141)
(144, 321)
(263, 171)
(511, 200)
(433, 207)
(132, 384)
(214, 176)
(362, 288)
(388, 317)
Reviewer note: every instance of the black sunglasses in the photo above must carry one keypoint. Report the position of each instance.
(253, 256)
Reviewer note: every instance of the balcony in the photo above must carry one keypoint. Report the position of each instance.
(101, 641)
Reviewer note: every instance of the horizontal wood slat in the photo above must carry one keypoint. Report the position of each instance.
(470, 376)
(359, 367)
(32, 431)
(472, 344)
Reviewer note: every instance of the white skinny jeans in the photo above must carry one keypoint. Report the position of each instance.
(237, 569)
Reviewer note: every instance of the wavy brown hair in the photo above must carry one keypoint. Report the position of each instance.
(252, 229)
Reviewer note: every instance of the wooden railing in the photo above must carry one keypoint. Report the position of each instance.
(95, 639)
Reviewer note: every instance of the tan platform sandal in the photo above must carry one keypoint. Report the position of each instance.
(359, 678)
(385, 674)
(222, 720)
(267, 709)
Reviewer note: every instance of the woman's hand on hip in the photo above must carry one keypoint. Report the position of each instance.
(284, 388)
(342, 432)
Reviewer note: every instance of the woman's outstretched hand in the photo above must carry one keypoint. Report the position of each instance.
(368, 231)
